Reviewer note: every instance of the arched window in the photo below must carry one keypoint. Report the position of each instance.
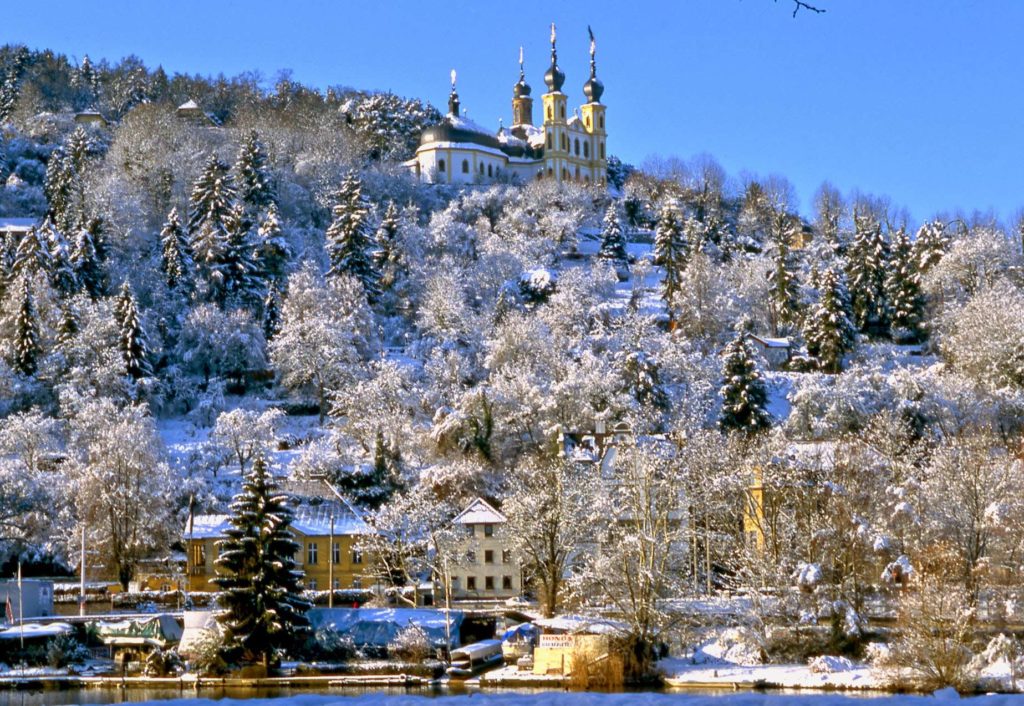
(600, 122)
(549, 139)
(586, 178)
(587, 123)
(481, 168)
(577, 147)
(602, 150)
(440, 165)
(551, 172)
(465, 166)
(565, 142)
(565, 173)
(489, 172)
(586, 149)
(562, 111)
(577, 173)
(549, 112)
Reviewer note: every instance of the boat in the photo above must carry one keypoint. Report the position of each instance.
(519, 641)
(468, 660)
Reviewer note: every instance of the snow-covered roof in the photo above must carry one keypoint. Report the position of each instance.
(31, 630)
(507, 138)
(207, 526)
(463, 123)
(581, 624)
(770, 342)
(479, 512)
(189, 105)
(17, 225)
(461, 146)
(315, 520)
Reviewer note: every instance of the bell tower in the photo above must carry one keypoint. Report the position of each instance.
(556, 138)
(593, 114)
(522, 103)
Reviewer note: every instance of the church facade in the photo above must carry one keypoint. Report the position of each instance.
(563, 147)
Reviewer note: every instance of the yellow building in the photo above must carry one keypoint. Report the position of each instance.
(323, 554)
(563, 147)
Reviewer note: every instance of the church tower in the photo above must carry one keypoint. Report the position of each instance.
(522, 103)
(593, 116)
(556, 138)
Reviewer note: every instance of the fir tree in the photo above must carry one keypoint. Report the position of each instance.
(89, 81)
(68, 326)
(271, 313)
(259, 579)
(613, 242)
(903, 287)
(62, 272)
(27, 348)
(389, 258)
(32, 256)
(76, 149)
(60, 188)
(210, 206)
(254, 185)
(85, 262)
(132, 338)
(348, 239)
(828, 329)
(175, 259)
(8, 95)
(671, 249)
(272, 252)
(241, 278)
(930, 244)
(867, 261)
(743, 392)
(782, 282)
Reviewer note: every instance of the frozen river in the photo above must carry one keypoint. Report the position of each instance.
(539, 698)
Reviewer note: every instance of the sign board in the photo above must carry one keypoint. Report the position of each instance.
(558, 641)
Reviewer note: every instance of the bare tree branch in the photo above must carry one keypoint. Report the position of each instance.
(798, 4)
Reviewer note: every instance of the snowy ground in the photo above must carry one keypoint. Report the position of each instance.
(681, 673)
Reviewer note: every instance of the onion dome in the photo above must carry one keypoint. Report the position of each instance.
(522, 88)
(593, 88)
(453, 98)
(554, 77)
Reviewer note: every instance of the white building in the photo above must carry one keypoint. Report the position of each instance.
(488, 568)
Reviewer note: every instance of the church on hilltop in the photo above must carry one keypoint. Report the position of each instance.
(563, 147)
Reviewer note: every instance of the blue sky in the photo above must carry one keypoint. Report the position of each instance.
(920, 100)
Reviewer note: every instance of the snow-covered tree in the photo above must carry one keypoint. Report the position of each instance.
(210, 206)
(348, 236)
(242, 279)
(86, 263)
(272, 251)
(271, 313)
(32, 255)
(175, 256)
(903, 287)
(930, 244)
(613, 242)
(867, 263)
(133, 343)
(214, 343)
(744, 395)
(782, 282)
(260, 581)
(671, 249)
(389, 259)
(242, 435)
(27, 345)
(828, 328)
(255, 188)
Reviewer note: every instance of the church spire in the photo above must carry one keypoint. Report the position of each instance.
(453, 99)
(522, 104)
(593, 88)
(554, 78)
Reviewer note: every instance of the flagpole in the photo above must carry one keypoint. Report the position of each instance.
(21, 608)
(81, 580)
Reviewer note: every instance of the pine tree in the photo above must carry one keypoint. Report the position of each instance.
(259, 579)
(348, 239)
(62, 272)
(272, 251)
(254, 185)
(132, 338)
(743, 392)
(782, 282)
(27, 348)
(271, 313)
(77, 148)
(175, 259)
(867, 260)
(696, 234)
(829, 330)
(60, 188)
(68, 326)
(8, 95)
(613, 242)
(389, 258)
(671, 249)
(241, 277)
(32, 256)
(85, 262)
(210, 206)
(89, 81)
(930, 244)
(903, 287)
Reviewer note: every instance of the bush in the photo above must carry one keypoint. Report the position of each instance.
(65, 650)
(411, 645)
(162, 663)
(207, 655)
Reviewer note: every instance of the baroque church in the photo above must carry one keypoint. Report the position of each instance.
(564, 147)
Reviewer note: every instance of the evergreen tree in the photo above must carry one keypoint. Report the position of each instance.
(671, 249)
(89, 81)
(272, 251)
(389, 258)
(828, 329)
(867, 260)
(271, 313)
(696, 234)
(613, 242)
(903, 287)
(930, 244)
(32, 256)
(27, 347)
(210, 205)
(241, 278)
(348, 239)
(77, 147)
(62, 272)
(254, 185)
(132, 338)
(175, 259)
(8, 95)
(259, 579)
(782, 282)
(60, 188)
(68, 326)
(743, 392)
(86, 263)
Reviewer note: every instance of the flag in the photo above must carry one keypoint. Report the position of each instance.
(9, 611)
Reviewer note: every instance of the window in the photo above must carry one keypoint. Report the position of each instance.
(577, 173)
(357, 582)
(488, 556)
(481, 167)
(465, 166)
(549, 139)
(471, 583)
(586, 149)
(470, 530)
(489, 583)
(311, 553)
(489, 172)
(602, 150)
(506, 556)
(587, 123)
(357, 556)
(336, 553)
(506, 583)
(577, 147)
(600, 122)
(312, 584)
(198, 559)
(563, 112)
(549, 112)
(471, 557)
(565, 142)
(488, 530)
(440, 165)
